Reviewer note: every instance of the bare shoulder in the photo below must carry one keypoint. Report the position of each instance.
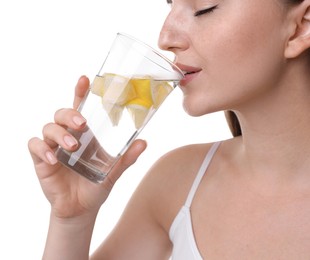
(143, 229)
(167, 183)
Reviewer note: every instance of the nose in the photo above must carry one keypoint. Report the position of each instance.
(172, 37)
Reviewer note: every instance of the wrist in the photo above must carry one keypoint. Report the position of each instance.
(86, 219)
(69, 237)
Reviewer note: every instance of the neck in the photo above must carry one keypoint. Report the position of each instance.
(276, 127)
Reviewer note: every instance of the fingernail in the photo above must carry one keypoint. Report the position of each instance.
(51, 158)
(70, 141)
(79, 121)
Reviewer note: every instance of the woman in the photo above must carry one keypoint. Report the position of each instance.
(243, 198)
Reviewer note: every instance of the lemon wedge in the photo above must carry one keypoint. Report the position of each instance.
(97, 87)
(160, 90)
(113, 88)
(138, 114)
(115, 91)
(114, 112)
(140, 106)
(142, 89)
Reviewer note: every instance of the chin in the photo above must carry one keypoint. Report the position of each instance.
(193, 111)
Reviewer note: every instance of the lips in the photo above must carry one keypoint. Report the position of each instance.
(189, 73)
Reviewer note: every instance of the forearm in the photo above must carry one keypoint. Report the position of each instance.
(69, 239)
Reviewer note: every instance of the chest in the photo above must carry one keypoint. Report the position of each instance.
(248, 228)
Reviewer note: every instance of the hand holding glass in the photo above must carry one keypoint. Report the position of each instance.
(131, 85)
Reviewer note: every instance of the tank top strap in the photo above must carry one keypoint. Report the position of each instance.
(200, 174)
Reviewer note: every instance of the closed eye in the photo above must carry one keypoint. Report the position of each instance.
(205, 11)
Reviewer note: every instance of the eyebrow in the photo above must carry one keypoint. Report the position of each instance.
(169, 1)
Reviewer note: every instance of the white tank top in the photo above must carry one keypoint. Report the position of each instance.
(181, 231)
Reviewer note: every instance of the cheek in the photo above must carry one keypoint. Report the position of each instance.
(246, 48)
(244, 54)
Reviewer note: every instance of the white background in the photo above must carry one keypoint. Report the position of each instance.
(44, 47)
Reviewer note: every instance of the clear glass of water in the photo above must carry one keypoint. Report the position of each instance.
(131, 85)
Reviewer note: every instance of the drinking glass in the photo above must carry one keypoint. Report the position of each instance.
(131, 85)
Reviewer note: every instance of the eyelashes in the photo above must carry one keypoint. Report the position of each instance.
(199, 12)
(205, 11)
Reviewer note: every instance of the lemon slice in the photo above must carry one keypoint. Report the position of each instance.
(138, 114)
(115, 91)
(142, 89)
(160, 90)
(114, 112)
(140, 106)
(97, 86)
(113, 88)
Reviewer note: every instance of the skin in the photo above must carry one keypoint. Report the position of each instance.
(254, 201)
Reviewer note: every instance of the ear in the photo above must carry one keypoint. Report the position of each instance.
(299, 40)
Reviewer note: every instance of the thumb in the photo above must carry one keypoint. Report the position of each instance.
(129, 158)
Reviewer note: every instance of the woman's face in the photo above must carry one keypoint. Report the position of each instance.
(233, 50)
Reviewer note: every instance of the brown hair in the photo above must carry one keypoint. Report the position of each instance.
(233, 123)
(293, 1)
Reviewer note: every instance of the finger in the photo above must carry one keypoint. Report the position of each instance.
(55, 135)
(129, 158)
(40, 151)
(80, 90)
(70, 118)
